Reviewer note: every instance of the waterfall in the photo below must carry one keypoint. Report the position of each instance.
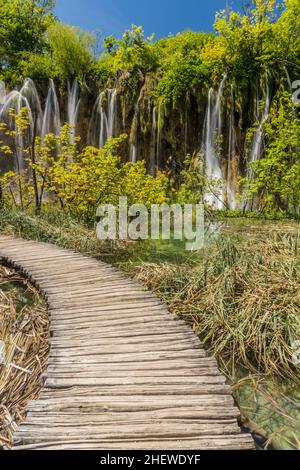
(217, 113)
(288, 80)
(153, 141)
(290, 89)
(186, 123)
(103, 134)
(159, 132)
(133, 153)
(112, 112)
(259, 134)
(211, 135)
(104, 118)
(29, 91)
(231, 152)
(51, 118)
(134, 135)
(73, 108)
(2, 93)
(134, 130)
(15, 101)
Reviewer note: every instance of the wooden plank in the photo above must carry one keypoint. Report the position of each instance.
(123, 373)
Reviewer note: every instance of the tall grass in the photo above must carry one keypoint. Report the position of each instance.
(54, 226)
(243, 300)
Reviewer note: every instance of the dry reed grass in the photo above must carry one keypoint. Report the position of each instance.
(243, 300)
(24, 329)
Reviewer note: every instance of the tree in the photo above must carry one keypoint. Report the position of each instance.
(71, 51)
(23, 24)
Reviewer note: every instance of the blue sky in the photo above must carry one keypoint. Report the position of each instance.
(156, 16)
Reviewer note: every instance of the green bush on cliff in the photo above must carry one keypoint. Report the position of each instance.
(276, 175)
(133, 51)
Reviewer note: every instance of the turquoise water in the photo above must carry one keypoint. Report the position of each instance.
(174, 251)
(13, 285)
(273, 410)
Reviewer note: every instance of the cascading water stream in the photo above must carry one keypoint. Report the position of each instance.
(134, 131)
(73, 108)
(290, 89)
(257, 143)
(2, 93)
(112, 112)
(259, 134)
(51, 118)
(29, 91)
(231, 152)
(153, 157)
(159, 134)
(14, 102)
(212, 133)
(104, 118)
(217, 114)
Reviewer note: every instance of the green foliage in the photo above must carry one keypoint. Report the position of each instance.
(33, 43)
(142, 188)
(262, 39)
(277, 173)
(181, 67)
(76, 180)
(23, 24)
(71, 51)
(194, 182)
(37, 66)
(176, 60)
(69, 54)
(265, 37)
(132, 52)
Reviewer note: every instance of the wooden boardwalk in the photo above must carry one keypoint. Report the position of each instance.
(123, 372)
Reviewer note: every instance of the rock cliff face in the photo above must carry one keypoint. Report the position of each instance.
(213, 121)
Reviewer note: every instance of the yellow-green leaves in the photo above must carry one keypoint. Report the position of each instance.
(78, 180)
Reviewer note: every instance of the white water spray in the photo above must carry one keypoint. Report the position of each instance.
(153, 160)
(2, 93)
(73, 108)
(14, 102)
(104, 118)
(51, 118)
(134, 131)
(257, 143)
(211, 136)
(231, 153)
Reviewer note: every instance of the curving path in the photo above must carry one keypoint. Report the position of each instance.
(123, 372)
